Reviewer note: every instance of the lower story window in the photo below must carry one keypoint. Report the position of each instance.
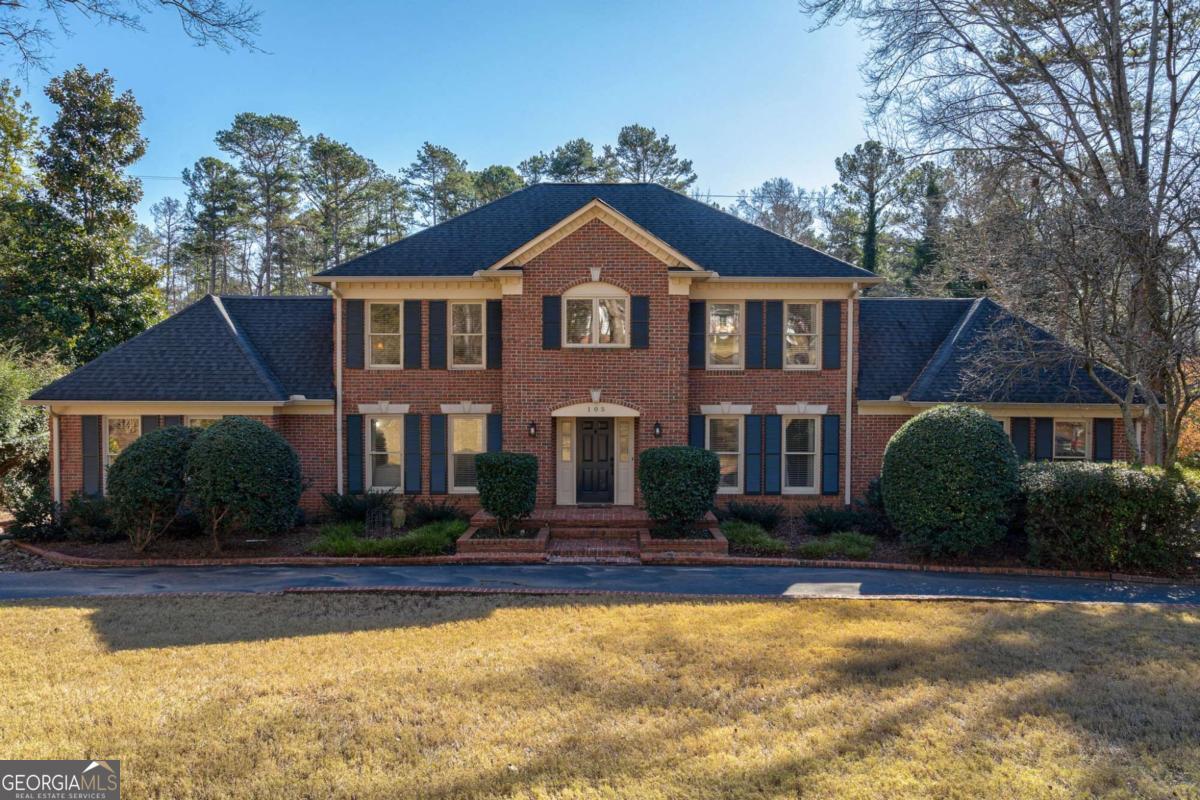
(1070, 440)
(119, 433)
(725, 439)
(467, 439)
(202, 422)
(800, 454)
(385, 452)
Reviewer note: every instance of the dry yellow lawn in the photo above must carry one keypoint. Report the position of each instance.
(372, 696)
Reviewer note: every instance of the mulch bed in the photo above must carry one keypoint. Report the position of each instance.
(14, 559)
(530, 532)
(293, 543)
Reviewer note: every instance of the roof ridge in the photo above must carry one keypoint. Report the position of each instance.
(224, 297)
(260, 368)
(942, 354)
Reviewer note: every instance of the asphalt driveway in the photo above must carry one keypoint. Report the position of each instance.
(716, 581)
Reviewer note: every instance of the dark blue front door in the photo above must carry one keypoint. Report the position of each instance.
(595, 478)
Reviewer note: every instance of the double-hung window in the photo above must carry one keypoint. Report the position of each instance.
(385, 334)
(1070, 440)
(119, 433)
(800, 338)
(385, 452)
(725, 440)
(725, 335)
(466, 335)
(202, 422)
(467, 439)
(800, 447)
(596, 321)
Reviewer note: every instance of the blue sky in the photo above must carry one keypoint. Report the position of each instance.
(745, 89)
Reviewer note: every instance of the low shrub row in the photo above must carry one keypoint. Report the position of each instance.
(749, 537)
(847, 544)
(346, 539)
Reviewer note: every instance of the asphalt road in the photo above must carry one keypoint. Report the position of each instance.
(716, 581)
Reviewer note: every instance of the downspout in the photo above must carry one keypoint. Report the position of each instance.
(55, 451)
(850, 387)
(337, 384)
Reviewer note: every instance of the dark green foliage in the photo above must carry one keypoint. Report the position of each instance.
(507, 486)
(89, 519)
(765, 515)
(870, 515)
(356, 505)
(678, 484)
(950, 481)
(423, 512)
(748, 537)
(243, 476)
(1109, 517)
(827, 519)
(345, 539)
(29, 500)
(848, 544)
(146, 483)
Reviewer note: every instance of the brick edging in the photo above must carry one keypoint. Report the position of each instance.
(665, 559)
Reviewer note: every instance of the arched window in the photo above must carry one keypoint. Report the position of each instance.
(595, 315)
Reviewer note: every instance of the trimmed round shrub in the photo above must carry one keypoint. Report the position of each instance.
(678, 484)
(1109, 517)
(242, 475)
(950, 481)
(507, 484)
(146, 483)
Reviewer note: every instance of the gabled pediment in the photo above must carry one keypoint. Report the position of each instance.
(596, 210)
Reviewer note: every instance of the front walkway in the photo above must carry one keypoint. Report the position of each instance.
(714, 581)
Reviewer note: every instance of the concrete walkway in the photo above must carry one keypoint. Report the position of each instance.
(716, 581)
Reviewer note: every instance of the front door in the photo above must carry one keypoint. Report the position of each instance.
(595, 478)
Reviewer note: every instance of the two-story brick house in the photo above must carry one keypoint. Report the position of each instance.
(583, 323)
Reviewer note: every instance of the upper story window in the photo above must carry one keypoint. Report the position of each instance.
(385, 334)
(596, 315)
(1070, 440)
(467, 322)
(725, 335)
(800, 338)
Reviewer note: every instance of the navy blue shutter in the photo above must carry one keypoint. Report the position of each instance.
(696, 324)
(412, 334)
(774, 316)
(437, 334)
(1018, 431)
(175, 420)
(754, 341)
(1102, 440)
(495, 334)
(437, 453)
(149, 423)
(753, 457)
(772, 452)
(1043, 444)
(830, 447)
(353, 323)
(92, 455)
(696, 430)
(639, 316)
(495, 435)
(412, 453)
(831, 334)
(354, 453)
(551, 322)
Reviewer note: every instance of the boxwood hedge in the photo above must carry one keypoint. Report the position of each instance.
(146, 483)
(678, 484)
(507, 484)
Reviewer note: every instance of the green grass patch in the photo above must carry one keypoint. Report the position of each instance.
(750, 537)
(848, 544)
(345, 539)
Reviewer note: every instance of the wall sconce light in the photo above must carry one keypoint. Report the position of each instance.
(658, 430)
(532, 429)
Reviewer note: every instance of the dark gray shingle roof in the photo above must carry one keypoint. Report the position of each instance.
(217, 349)
(926, 350)
(711, 238)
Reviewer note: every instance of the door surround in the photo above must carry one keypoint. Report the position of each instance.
(566, 459)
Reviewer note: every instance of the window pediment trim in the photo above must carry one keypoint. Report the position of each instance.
(727, 408)
(383, 407)
(466, 407)
(801, 409)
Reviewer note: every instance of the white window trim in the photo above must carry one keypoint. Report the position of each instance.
(741, 452)
(399, 304)
(368, 451)
(783, 454)
(104, 464)
(450, 421)
(450, 334)
(818, 328)
(595, 299)
(708, 365)
(1087, 438)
